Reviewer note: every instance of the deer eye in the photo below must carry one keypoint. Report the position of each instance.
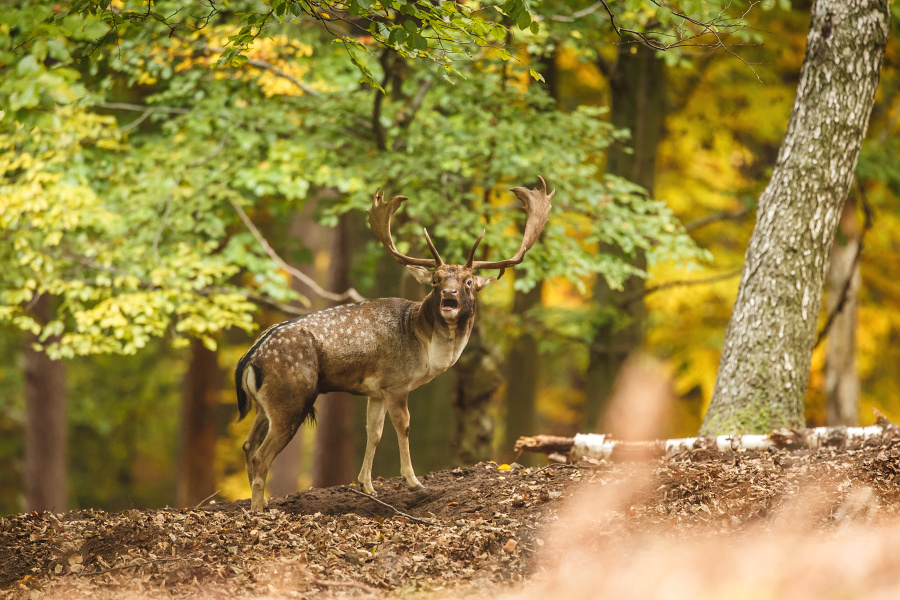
(469, 283)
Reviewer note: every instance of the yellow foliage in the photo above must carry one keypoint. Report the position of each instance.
(559, 292)
(560, 403)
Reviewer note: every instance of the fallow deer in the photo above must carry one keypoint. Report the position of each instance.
(381, 348)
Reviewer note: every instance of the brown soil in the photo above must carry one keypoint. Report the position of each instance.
(481, 526)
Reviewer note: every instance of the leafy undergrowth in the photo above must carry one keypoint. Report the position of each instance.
(793, 525)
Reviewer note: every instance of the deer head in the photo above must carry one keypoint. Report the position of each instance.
(455, 286)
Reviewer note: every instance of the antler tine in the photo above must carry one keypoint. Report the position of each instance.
(471, 256)
(437, 257)
(537, 207)
(380, 222)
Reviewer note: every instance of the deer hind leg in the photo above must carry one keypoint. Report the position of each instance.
(285, 411)
(399, 412)
(279, 433)
(257, 434)
(374, 427)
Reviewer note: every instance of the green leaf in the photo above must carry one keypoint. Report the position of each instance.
(397, 36)
(28, 65)
(417, 42)
(523, 20)
(498, 32)
(664, 14)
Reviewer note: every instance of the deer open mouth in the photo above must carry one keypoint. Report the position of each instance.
(449, 305)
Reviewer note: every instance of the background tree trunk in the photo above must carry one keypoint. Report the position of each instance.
(333, 462)
(478, 377)
(764, 369)
(288, 467)
(199, 404)
(522, 369)
(637, 86)
(841, 378)
(46, 431)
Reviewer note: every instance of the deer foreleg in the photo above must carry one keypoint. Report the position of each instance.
(374, 427)
(399, 412)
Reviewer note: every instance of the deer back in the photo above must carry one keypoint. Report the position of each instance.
(369, 347)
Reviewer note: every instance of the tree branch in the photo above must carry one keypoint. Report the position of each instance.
(267, 66)
(350, 294)
(578, 14)
(408, 113)
(143, 108)
(725, 215)
(626, 300)
(839, 307)
(393, 508)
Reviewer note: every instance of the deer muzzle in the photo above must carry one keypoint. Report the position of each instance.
(449, 302)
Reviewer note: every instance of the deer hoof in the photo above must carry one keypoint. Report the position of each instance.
(417, 487)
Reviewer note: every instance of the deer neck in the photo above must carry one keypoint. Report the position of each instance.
(444, 340)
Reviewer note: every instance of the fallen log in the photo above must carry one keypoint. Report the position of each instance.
(600, 446)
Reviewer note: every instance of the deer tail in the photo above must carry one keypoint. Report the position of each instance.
(247, 381)
(248, 378)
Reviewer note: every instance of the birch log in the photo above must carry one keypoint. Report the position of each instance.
(603, 447)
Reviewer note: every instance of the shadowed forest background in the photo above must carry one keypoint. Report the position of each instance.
(158, 285)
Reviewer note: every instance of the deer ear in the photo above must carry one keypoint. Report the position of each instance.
(483, 282)
(421, 274)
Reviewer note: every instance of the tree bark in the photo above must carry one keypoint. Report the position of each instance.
(478, 377)
(522, 368)
(46, 430)
(333, 455)
(638, 104)
(764, 369)
(200, 399)
(841, 378)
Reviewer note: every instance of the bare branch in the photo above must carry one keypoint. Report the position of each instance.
(137, 565)
(408, 113)
(625, 301)
(350, 294)
(207, 499)
(839, 307)
(725, 215)
(143, 108)
(267, 66)
(578, 14)
(396, 510)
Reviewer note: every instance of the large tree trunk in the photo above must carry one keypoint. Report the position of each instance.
(764, 370)
(46, 431)
(333, 456)
(200, 399)
(638, 104)
(522, 368)
(841, 378)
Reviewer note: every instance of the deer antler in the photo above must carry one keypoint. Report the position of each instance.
(380, 221)
(537, 207)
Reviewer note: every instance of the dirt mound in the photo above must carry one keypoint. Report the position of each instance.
(479, 525)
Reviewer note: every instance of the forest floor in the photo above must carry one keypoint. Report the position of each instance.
(773, 524)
